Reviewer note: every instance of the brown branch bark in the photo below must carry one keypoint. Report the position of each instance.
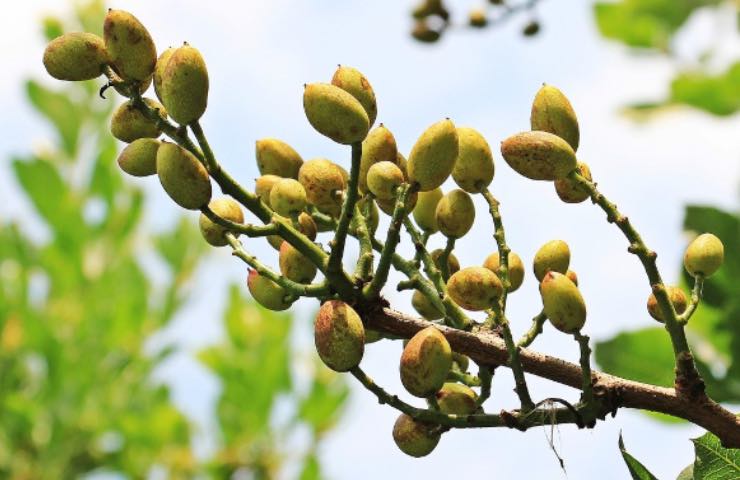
(611, 392)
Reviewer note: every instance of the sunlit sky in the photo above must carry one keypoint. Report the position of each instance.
(259, 56)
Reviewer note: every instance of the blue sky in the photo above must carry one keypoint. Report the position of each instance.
(259, 56)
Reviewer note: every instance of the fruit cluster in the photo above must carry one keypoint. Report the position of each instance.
(295, 200)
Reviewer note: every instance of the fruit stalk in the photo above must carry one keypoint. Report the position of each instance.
(537, 323)
(365, 261)
(688, 381)
(696, 291)
(248, 229)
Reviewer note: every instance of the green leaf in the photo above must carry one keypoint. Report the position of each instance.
(713, 461)
(311, 468)
(715, 94)
(687, 473)
(644, 355)
(637, 469)
(322, 406)
(61, 111)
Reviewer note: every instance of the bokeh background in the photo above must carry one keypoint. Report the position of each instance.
(184, 376)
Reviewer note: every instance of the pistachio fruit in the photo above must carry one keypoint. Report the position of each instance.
(474, 288)
(425, 362)
(339, 336)
(76, 56)
(226, 208)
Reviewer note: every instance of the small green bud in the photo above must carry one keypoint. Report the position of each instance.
(76, 56)
(553, 113)
(704, 255)
(288, 197)
(539, 155)
(457, 399)
(224, 207)
(562, 303)
(267, 293)
(183, 177)
(294, 265)
(455, 214)
(475, 288)
(129, 45)
(473, 170)
(184, 87)
(678, 299)
(339, 336)
(139, 158)
(433, 156)
(128, 123)
(263, 186)
(426, 209)
(425, 362)
(414, 438)
(552, 256)
(516, 268)
(453, 265)
(275, 157)
(322, 180)
(383, 179)
(424, 306)
(570, 191)
(335, 113)
(379, 146)
(354, 82)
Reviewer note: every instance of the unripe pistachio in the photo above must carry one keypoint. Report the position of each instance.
(321, 179)
(267, 293)
(477, 18)
(403, 164)
(184, 88)
(139, 158)
(516, 268)
(263, 186)
(183, 177)
(76, 56)
(552, 112)
(294, 265)
(704, 255)
(383, 179)
(335, 113)
(339, 336)
(425, 362)
(433, 156)
(474, 288)
(562, 303)
(379, 146)
(552, 256)
(461, 361)
(414, 438)
(453, 265)
(570, 191)
(425, 307)
(354, 82)
(388, 205)
(275, 157)
(457, 399)
(677, 297)
(224, 207)
(288, 197)
(129, 45)
(306, 226)
(572, 276)
(128, 123)
(473, 170)
(539, 155)
(455, 214)
(159, 69)
(426, 209)
(423, 33)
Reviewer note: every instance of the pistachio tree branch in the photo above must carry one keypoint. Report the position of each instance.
(518, 420)
(537, 323)
(688, 380)
(444, 266)
(365, 261)
(292, 288)
(610, 392)
(694, 301)
(485, 373)
(345, 217)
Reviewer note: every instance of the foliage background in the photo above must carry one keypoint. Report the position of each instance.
(260, 54)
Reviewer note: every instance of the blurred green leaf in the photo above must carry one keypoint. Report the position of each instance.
(637, 470)
(53, 28)
(321, 407)
(61, 111)
(716, 94)
(713, 461)
(644, 355)
(311, 468)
